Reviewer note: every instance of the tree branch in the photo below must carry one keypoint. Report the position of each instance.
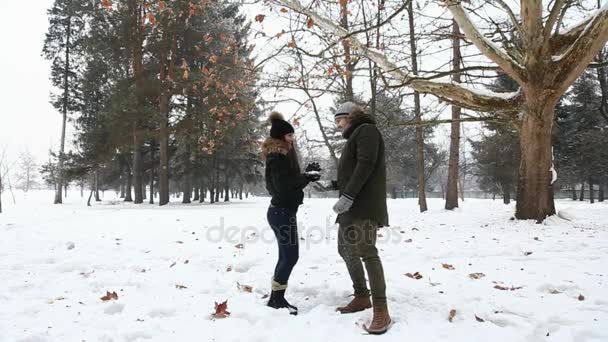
(493, 52)
(446, 121)
(553, 17)
(580, 54)
(460, 95)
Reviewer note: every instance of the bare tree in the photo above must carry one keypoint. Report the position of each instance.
(27, 170)
(542, 60)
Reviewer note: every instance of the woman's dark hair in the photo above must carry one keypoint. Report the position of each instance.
(294, 164)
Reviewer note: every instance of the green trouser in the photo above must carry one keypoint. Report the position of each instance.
(357, 245)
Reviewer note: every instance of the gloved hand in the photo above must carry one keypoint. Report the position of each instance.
(314, 166)
(313, 172)
(312, 176)
(343, 205)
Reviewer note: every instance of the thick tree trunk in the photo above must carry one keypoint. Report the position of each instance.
(534, 190)
(211, 195)
(581, 197)
(591, 192)
(600, 193)
(451, 200)
(241, 193)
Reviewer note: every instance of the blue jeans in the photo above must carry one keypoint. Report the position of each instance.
(283, 222)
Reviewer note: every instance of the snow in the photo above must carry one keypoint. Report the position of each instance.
(57, 261)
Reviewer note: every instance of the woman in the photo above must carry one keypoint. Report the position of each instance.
(284, 182)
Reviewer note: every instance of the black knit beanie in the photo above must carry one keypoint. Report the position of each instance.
(279, 127)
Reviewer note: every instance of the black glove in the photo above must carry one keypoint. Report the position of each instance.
(313, 172)
(312, 176)
(313, 167)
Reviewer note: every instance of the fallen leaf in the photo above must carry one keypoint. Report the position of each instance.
(265, 296)
(229, 268)
(284, 10)
(244, 288)
(512, 288)
(221, 310)
(110, 296)
(448, 267)
(452, 315)
(180, 242)
(173, 264)
(180, 287)
(581, 297)
(260, 18)
(477, 275)
(186, 262)
(527, 253)
(554, 291)
(408, 241)
(414, 276)
(479, 319)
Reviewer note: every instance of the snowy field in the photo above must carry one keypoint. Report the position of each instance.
(169, 265)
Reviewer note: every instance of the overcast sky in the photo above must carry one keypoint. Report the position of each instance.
(27, 120)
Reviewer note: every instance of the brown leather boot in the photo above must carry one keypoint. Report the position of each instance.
(359, 303)
(381, 321)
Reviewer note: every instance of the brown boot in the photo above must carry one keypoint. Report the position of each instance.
(381, 321)
(359, 303)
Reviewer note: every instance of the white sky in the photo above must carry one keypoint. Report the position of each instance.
(27, 120)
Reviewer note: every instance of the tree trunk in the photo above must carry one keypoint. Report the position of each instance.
(167, 75)
(349, 65)
(451, 200)
(128, 187)
(534, 189)
(66, 89)
(97, 199)
(136, 172)
(581, 197)
(591, 192)
(211, 195)
(241, 193)
(196, 194)
(122, 182)
(600, 193)
(506, 196)
(418, 114)
(574, 193)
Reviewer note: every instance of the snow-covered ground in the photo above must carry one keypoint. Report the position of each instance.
(170, 265)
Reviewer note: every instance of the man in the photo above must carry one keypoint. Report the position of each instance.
(361, 209)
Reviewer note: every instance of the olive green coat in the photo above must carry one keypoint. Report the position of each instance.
(362, 171)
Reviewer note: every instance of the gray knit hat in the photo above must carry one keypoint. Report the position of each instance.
(345, 109)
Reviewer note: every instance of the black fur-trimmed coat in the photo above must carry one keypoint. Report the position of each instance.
(284, 181)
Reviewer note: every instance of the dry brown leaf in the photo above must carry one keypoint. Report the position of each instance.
(284, 10)
(221, 310)
(581, 297)
(110, 296)
(260, 18)
(452, 315)
(476, 275)
(244, 288)
(448, 267)
(180, 287)
(239, 246)
(416, 275)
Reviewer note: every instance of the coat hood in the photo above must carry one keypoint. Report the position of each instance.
(357, 118)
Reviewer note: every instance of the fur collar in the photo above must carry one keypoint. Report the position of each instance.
(272, 145)
(356, 119)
